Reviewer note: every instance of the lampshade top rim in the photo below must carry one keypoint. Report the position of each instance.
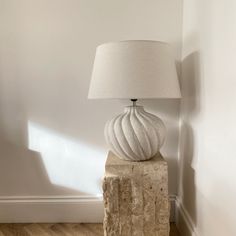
(133, 41)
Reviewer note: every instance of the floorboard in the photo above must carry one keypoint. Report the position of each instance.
(59, 230)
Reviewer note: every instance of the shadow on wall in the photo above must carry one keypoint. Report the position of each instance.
(25, 175)
(190, 107)
(47, 163)
(56, 170)
(68, 161)
(36, 160)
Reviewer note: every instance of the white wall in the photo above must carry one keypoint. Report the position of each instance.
(51, 135)
(207, 152)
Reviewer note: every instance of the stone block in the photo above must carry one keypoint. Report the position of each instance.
(136, 197)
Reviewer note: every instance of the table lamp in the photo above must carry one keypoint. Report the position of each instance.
(134, 69)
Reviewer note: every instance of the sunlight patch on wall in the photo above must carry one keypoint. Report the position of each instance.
(69, 163)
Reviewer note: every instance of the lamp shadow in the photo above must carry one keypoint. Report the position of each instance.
(190, 107)
(24, 174)
(25, 171)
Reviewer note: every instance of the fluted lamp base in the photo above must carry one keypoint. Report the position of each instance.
(135, 135)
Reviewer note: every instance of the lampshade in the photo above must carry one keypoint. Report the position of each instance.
(134, 69)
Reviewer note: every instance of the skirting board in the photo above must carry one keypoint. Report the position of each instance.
(183, 220)
(53, 209)
(172, 199)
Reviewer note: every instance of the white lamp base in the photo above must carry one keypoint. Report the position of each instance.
(135, 135)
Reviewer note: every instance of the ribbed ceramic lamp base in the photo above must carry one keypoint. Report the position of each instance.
(135, 135)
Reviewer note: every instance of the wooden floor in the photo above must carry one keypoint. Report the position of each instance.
(58, 230)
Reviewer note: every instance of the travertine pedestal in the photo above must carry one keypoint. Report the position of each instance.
(136, 197)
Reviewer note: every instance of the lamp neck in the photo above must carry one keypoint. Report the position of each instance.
(134, 100)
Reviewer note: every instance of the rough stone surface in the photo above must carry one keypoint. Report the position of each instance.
(136, 197)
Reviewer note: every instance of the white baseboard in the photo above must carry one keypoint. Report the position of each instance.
(82, 209)
(183, 220)
(172, 199)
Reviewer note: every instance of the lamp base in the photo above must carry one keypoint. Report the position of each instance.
(135, 135)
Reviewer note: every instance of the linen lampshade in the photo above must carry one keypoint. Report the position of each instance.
(134, 69)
